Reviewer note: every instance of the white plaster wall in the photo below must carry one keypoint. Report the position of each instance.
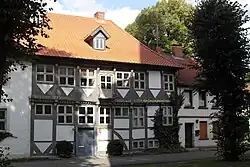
(154, 79)
(102, 145)
(138, 133)
(124, 134)
(197, 112)
(43, 130)
(196, 141)
(151, 110)
(18, 112)
(151, 133)
(150, 122)
(121, 123)
(104, 134)
(64, 133)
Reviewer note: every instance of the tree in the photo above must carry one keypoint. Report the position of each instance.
(168, 136)
(167, 22)
(222, 55)
(20, 22)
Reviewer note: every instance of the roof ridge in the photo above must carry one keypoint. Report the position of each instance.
(145, 46)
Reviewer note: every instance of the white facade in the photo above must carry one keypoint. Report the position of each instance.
(193, 116)
(18, 112)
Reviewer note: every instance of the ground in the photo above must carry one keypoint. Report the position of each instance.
(202, 163)
(137, 160)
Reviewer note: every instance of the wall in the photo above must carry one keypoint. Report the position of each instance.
(18, 112)
(195, 115)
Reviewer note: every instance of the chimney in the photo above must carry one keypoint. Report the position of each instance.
(99, 15)
(177, 51)
(159, 50)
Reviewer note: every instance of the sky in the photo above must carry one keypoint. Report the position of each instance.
(122, 12)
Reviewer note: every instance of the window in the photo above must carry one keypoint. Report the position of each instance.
(188, 98)
(138, 117)
(168, 82)
(105, 113)
(106, 82)
(87, 78)
(139, 82)
(214, 103)
(122, 79)
(153, 143)
(138, 144)
(45, 73)
(66, 76)
(43, 109)
(215, 130)
(86, 115)
(202, 99)
(167, 115)
(99, 43)
(3, 119)
(64, 114)
(121, 111)
(203, 130)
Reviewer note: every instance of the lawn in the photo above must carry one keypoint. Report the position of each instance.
(207, 163)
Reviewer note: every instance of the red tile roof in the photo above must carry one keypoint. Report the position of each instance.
(67, 40)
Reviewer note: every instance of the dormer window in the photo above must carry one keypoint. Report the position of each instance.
(97, 39)
(99, 43)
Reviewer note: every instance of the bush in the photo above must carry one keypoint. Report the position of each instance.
(115, 147)
(64, 149)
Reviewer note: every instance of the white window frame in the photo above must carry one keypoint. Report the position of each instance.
(44, 73)
(123, 79)
(4, 120)
(168, 82)
(88, 77)
(106, 82)
(154, 141)
(65, 114)
(67, 76)
(167, 112)
(140, 80)
(138, 144)
(105, 115)
(122, 113)
(100, 43)
(86, 115)
(202, 103)
(43, 109)
(138, 117)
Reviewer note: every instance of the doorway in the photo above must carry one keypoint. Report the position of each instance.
(189, 135)
(86, 142)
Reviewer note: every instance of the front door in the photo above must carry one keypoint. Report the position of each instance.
(86, 142)
(189, 135)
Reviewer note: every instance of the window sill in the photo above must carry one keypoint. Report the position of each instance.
(202, 107)
(44, 82)
(137, 89)
(88, 87)
(122, 87)
(66, 85)
(188, 107)
(204, 139)
(215, 108)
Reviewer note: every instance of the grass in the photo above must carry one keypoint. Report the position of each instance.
(206, 163)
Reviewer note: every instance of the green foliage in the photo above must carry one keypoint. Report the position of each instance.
(115, 147)
(4, 161)
(64, 149)
(222, 55)
(172, 18)
(20, 23)
(168, 136)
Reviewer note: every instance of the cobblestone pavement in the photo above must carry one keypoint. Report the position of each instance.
(119, 161)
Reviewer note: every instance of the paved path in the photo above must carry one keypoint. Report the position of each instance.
(120, 161)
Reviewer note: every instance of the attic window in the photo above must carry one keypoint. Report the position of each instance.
(99, 43)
